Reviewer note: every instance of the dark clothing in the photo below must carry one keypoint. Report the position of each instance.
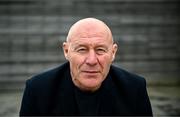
(53, 93)
(87, 103)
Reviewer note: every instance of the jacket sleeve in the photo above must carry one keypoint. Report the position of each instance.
(144, 105)
(28, 102)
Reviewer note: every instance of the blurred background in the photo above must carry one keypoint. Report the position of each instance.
(147, 32)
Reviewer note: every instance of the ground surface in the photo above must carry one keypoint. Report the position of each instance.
(165, 101)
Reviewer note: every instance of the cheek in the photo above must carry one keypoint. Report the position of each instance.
(105, 60)
(76, 62)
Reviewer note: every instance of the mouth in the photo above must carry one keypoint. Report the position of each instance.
(90, 72)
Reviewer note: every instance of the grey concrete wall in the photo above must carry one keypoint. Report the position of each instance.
(32, 31)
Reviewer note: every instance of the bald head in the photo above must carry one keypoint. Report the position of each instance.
(89, 27)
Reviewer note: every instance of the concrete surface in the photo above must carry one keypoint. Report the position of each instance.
(165, 101)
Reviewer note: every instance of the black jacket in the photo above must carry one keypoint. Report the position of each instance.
(51, 93)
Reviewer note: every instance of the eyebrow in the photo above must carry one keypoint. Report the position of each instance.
(75, 46)
(97, 46)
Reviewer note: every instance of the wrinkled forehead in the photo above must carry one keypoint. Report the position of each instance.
(89, 28)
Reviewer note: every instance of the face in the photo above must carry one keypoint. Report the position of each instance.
(90, 53)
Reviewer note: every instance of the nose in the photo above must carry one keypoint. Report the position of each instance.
(91, 58)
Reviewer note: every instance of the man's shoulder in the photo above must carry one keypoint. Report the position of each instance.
(125, 76)
(127, 82)
(49, 75)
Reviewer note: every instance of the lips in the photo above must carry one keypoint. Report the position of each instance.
(89, 74)
(90, 71)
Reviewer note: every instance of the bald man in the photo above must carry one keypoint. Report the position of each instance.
(88, 83)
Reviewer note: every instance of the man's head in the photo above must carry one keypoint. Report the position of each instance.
(90, 50)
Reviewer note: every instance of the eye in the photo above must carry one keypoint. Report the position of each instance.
(81, 50)
(101, 50)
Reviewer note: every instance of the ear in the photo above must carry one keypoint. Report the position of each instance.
(115, 47)
(66, 50)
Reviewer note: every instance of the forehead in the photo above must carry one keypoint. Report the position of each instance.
(89, 29)
(93, 41)
(94, 37)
